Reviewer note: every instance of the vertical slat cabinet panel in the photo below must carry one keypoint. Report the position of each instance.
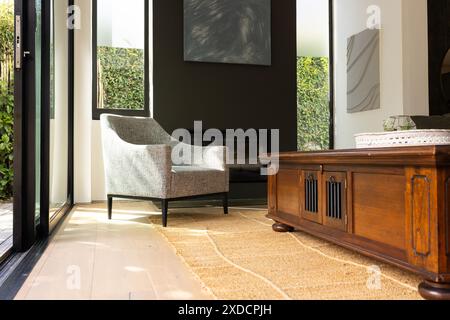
(311, 196)
(334, 190)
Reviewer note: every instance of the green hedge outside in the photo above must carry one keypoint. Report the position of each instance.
(313, 112)
(6, 99)
(120, 78)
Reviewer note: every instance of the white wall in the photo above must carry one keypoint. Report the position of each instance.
(83, 105)
(403, 59)
(98, 176)
(415, 58)
(59, 124)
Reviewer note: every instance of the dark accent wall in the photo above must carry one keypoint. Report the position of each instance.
(439, 43)
(225, 96)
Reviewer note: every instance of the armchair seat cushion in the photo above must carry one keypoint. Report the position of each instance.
(193, 180)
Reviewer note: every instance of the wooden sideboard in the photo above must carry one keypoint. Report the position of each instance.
(390, 204)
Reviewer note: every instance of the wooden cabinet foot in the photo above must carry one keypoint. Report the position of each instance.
(434, 291)
(281, 227)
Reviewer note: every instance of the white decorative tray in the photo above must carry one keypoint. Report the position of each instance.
(402, 139)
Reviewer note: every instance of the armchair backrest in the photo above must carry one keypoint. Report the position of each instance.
(134, 130)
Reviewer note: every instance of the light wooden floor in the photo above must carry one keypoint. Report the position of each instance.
(126, 258)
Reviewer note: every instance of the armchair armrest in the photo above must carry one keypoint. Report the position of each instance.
(137, 170)
(155, 159)
(212, 157)
(215, 157)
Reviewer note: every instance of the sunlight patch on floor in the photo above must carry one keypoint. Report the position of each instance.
(92, 257)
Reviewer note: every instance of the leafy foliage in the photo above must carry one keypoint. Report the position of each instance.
(6, 99)
(313, 103)
(6, 141)
(120, 78)
(6, 34)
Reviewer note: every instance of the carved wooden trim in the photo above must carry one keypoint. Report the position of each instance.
(273, 196)
(413, 211)
(447, 217)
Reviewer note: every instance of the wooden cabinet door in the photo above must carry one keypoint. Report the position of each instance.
(311, 196)
(334, 189)
(287, 196)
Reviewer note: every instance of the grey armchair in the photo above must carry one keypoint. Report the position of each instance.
(138, 165)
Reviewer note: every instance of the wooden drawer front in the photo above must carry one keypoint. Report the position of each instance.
(288, 192)
(312, 196)
(335, 200)
(379, 208)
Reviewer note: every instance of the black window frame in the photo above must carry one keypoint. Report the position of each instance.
(331, 71)
(331, 103)
(96, 112)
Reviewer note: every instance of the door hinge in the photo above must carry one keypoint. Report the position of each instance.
(346, 220)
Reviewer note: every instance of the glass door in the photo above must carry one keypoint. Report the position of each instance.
(43, 154)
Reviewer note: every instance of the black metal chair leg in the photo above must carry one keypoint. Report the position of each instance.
(110, 205)
(165, 209)
(225, 203)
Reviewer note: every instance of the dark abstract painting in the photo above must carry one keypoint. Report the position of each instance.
(228, 31)
(363, 72)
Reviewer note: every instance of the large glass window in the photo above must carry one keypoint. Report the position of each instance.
(314, 109)
(121, 57)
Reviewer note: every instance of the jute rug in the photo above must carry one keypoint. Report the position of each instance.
(240, 257)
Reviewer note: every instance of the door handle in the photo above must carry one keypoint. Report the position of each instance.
(18, 42)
